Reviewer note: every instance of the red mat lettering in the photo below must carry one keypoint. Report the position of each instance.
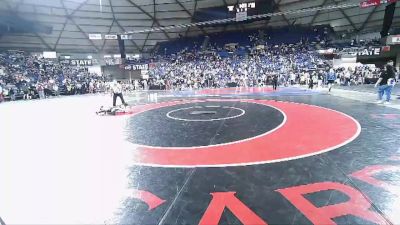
(149, 198)
(222, 200)
(358, 205)
(367, 174)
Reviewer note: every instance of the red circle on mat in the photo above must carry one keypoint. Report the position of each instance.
(308, 130)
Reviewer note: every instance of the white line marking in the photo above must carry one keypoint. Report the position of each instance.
(242, 112)
(229, 143)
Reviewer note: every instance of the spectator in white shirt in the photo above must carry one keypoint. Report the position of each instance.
(117, 92)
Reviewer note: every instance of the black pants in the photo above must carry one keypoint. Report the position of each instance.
(115, 95)
(274, 85)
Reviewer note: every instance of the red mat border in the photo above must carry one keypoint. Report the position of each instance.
(308, 130)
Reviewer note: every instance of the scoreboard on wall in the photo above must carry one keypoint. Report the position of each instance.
(240, 11)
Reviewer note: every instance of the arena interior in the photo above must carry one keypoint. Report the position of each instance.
(203, 112)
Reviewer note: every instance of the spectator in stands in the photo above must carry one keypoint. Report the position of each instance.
(348, 77)
(55, 89)
(331, 78)
(311, 82)
(385, 84)
(390, 69)
(1, 94)
(40, 90)
(320, 78)
(11, 93)
(275, 82)
(26, 92)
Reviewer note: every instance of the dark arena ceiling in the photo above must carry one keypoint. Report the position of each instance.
(64, 25)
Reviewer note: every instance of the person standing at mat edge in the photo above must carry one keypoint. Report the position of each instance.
(117, 92)
(386, 83)
(275, 82)
(331, 78)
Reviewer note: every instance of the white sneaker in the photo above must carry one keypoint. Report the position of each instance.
(387, 103)
(379, 102)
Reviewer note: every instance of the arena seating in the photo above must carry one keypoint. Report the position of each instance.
(276, 36)
(288, 53)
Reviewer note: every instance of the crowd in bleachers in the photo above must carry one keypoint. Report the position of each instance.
(30, 76)
(290, 64)
(359, 75)
(255, 60)
(190, 70)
